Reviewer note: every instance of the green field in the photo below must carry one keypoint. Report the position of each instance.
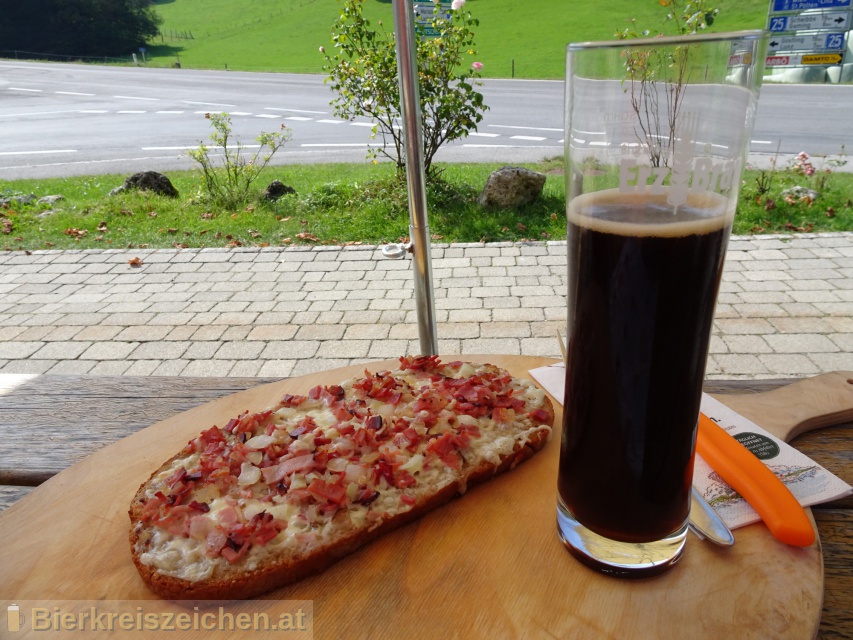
(523, 40)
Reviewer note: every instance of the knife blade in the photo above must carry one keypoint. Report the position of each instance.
(759, 486)
(706, 523)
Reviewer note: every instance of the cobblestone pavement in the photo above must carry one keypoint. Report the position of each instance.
(785, 308)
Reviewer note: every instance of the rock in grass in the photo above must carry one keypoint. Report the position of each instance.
(148, 181)
(512, 187)
(276, 190)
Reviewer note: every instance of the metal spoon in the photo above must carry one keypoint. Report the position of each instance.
(706, 523)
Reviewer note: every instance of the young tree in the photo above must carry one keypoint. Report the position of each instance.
(363, 72)
(658, 107)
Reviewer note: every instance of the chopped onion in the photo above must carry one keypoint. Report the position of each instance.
(249, 474)
(337, 464)
(260, 442)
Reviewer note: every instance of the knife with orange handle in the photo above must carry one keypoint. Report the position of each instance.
(767, 494)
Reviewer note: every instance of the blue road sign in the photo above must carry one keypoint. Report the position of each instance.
(800, 5)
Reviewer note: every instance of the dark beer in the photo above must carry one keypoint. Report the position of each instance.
(642, 288)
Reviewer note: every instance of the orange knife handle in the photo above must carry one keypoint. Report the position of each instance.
(767, 494)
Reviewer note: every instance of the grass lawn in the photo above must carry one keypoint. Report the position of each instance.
(353, 203)
(524, 40)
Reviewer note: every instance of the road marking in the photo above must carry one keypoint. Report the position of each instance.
(20, 89)
(211, 146)
(506, 126)
(298, 118)
(359, 124)
(342, 144)
(37, 113)
(327, 121)
(293, 110)
(210, 104)
(477, 134)
(512, 146)
(93, 111)
(206, 112)
(26, 153)
(165, 112)
(240, 113)
(266, 115)
(131, 111)
(761, 141)
(531, 138)
(135, 98)
(73, 93)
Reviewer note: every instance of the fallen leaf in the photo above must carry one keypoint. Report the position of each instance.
(554, 217)
(207, 215)
(135, 262)
(103, 227)
(307, 236)
(126, 212)
(171, 230)
(152, 214)
(7, 226)
(74, 232)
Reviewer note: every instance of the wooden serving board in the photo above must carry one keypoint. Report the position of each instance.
(488, 565)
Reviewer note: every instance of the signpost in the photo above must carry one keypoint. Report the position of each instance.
(425, 14)
(808, 32)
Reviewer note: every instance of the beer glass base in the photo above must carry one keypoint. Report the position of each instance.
(616, 558)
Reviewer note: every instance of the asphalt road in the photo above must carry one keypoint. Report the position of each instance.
(65, 119)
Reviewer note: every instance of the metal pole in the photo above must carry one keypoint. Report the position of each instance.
(410, 108)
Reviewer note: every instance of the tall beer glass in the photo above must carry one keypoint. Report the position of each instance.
(657, 132)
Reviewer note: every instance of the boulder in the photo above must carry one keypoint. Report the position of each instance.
(512, 187)
(148, 181)
(276, 190)
(798, 193)
(51, 200)
(19, 200)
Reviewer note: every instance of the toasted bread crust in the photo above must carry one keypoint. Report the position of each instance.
(277, 572)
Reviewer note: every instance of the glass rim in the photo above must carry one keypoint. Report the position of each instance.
(753, 34)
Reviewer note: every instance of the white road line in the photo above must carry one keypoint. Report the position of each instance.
(73, 93)
(267, 115)
(761, 141)
(512, 146)
(21, 89)
(169, 112)
(293, 110)
(359, 124)
(93, 111)
(340, 144)
(26, 153)
(136, 98)
(240, 113)
(477, 134)
(210, 104)
(242, 146)
(130, 111)
(203, 112)
(298, 118)
(37, 113)
(531, 138)
(506, 126)
(327, 121)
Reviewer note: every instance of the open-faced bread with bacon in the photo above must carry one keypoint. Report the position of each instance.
(274, 496)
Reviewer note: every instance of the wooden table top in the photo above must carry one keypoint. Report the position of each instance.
(48, 423)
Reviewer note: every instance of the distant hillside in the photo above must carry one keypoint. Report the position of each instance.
(524, 39)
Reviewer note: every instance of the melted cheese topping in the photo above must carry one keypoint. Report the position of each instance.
(382, 471)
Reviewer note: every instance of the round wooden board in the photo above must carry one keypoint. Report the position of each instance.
(488, 565)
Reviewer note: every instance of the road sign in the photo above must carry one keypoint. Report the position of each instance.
(801, 5)
(808, 42)
(810, 21)
(822, 58)
(425, 13)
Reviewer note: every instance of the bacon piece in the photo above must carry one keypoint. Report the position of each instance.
(287, 467)
(326, 492)
(540, 415)
(292, 401)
